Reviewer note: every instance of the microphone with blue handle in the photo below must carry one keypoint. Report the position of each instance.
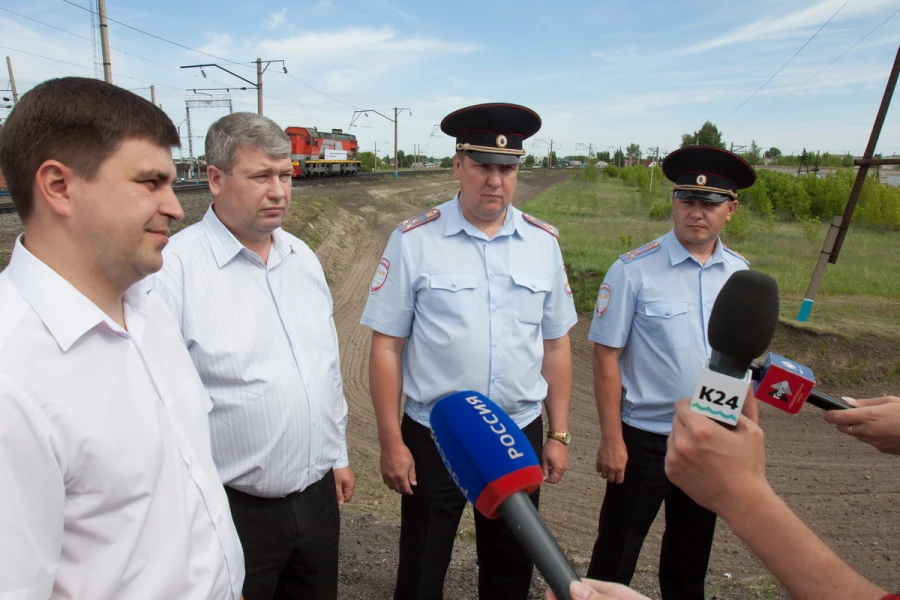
(492, 462)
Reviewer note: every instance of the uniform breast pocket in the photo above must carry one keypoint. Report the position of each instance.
(528, 298)
(453, 297)
(667, 324)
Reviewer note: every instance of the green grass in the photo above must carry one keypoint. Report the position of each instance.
(861, 294)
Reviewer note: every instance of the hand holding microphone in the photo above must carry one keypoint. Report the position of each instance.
(721, 470)
(591, 589)
(875, 421)
(495, 467)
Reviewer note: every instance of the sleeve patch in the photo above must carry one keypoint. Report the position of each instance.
(733, 253)
(381, 273)
(645, 250)
(603, 298)
(420, 219)
(541, 225)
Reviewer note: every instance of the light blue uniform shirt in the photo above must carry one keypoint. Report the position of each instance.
(656, 306)
(476, 311)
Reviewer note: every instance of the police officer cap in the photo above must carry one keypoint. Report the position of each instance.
(492, 133)
(707, 173)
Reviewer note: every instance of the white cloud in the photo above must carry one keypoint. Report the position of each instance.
(368, 42)
(800, 23)
(275, 20)
(607, 56)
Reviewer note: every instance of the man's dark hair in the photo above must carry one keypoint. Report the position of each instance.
(78, 121)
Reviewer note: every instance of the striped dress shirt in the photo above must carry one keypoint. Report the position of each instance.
(262, 337)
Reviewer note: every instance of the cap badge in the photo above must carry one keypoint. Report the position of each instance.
(502, 141)
(701, 179)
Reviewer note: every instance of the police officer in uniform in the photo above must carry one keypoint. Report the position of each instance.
(650, 345)
(471, 295)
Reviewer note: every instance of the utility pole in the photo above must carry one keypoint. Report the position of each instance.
(104, 41)
(260, 69)
(397, 113)
(653, 152)
(153, 94)
(190, 140)
(376, 152)
(259, 98)
(550, 158)
(12, 81)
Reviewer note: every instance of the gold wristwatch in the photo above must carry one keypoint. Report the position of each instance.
(560, 436)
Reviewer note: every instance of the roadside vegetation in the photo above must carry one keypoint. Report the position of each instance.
(601, 215)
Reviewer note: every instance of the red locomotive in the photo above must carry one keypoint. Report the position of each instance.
(315, 153)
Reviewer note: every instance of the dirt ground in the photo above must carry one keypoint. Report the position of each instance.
(847, 492)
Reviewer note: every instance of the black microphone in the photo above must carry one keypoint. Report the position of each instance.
(741, 326)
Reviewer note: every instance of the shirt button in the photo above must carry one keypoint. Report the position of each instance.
(494, 308)
(218, 519)
(189, 459)
(668, 313)
(533, 285)
(492, 275)
(454, 284)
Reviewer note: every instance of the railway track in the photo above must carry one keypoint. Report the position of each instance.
(6, 205)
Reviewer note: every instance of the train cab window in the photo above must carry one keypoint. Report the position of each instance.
(315, 142)
(308, 139)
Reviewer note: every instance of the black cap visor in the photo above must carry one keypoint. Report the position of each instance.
(711, 197)
(491, 158)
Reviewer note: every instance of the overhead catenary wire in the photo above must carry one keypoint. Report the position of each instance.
(162, 39)
(226, 60)
(88, 68)
(817, 73)
(751, 96)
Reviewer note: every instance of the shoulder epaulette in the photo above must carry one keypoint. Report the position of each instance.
(645, 250)
(542, 225)
(733, 253)
(420, 219)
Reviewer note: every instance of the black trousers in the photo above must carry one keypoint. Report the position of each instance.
(628, 511)
(291, 543)
(430, 518)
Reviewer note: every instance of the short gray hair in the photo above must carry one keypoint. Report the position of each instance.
(244, 129)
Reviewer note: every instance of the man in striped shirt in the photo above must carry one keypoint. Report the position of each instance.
(256, 316)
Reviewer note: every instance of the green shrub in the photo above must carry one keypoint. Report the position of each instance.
(589, 173)
(812, 229)
(661, 211)
(739, 227)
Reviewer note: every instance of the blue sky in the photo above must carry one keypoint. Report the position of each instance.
(605, 73)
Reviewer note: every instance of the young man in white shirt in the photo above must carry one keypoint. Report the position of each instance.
(110, 490)
(256, 315)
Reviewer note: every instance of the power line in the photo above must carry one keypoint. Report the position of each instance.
(320, 92)
(88, 68)
(162, 39)
(227, 60)
(112, 48)
(820, 70)
(750, 97)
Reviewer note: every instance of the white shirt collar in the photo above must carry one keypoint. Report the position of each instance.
(456, 222)
(66, 312)
(225, 246)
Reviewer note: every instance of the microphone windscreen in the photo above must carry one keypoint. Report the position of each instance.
(487, 455)
(743, 318)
